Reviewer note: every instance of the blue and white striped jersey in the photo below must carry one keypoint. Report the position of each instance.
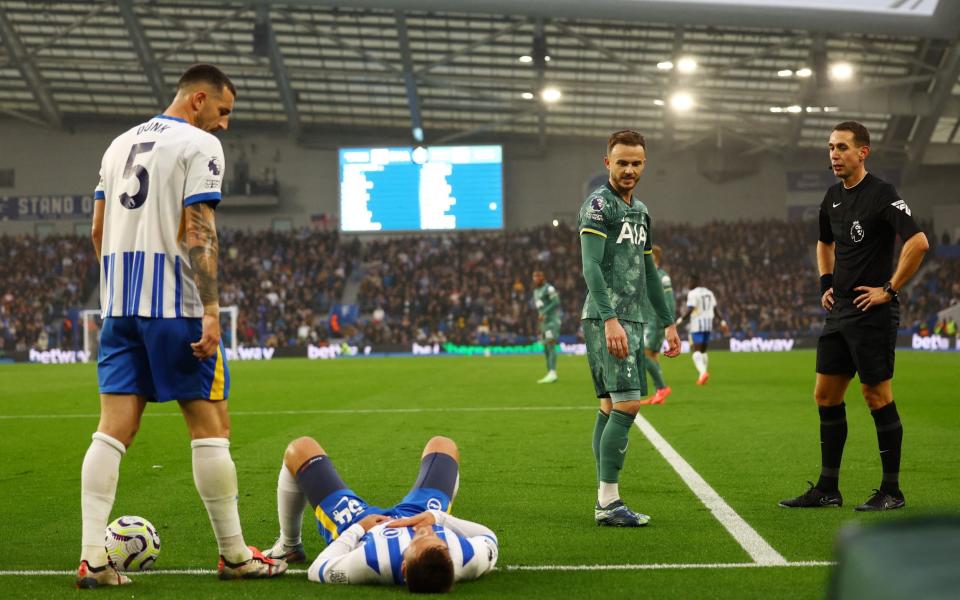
(703, 303)
(374, 557)
(147, 176)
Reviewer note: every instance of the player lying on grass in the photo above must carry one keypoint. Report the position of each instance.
(415, 542)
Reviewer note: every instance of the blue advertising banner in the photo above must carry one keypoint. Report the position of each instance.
(42, 208)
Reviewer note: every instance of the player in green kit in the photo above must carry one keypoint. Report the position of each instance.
(653, 335)
(548, 306)
(618, 268)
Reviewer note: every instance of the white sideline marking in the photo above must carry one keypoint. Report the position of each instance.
(323, 411)
(759, 550)
(626, 567)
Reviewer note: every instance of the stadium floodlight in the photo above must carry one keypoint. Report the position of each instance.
(681, 101)
(526, 58)
(546, 58)
(665, 65)
(784, 73)
(556, 223)
(841, 71)
(527, 95)
(776, 109)
(687, 65)
(813, 109)
(804, 72)
(794, 108)
(659, 102)
(830, 109)
(550, 94)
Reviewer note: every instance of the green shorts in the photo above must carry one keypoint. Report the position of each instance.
(611, 374)
(549, 331)
(653, 337)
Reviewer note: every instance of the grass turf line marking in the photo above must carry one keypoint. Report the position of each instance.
(322, 411)
(625, 567)
(759, 550)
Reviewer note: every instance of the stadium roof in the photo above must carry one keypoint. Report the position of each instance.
(308, 67)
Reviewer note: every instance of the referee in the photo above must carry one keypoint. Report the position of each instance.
(859, 220)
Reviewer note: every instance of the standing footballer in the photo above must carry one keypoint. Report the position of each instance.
(618, 268)
(859, 219)
(547, 301)
(155, 233)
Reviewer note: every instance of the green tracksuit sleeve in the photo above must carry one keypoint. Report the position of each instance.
(591, 249)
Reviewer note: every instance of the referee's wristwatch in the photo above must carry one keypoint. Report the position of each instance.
(888, 288)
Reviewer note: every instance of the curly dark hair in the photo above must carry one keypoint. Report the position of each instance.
(431, 572)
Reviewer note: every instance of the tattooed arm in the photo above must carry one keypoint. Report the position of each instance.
(204, 248)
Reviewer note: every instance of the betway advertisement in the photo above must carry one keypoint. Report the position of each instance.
(932, 343)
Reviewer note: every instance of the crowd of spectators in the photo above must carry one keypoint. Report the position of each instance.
(464, 288)
(468, 287)
(473, 288)
(284, 284)
(43, 285)
(934, 290)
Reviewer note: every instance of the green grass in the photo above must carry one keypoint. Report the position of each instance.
(528, 474)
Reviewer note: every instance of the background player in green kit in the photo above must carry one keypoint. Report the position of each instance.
(653, 335)
(618, 268)
(548, 308)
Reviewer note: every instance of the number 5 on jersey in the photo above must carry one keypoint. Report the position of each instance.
(137, 200)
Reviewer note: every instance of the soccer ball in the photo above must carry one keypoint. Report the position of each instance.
(132, 544)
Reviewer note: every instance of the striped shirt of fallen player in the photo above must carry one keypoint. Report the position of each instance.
(618, 268)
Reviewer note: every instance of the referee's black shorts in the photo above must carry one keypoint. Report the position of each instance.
(860, 342)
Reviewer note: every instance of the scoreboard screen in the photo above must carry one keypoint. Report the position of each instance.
(427, 188)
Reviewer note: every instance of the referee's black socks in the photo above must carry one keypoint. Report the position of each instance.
(889, 438)
(833, 435)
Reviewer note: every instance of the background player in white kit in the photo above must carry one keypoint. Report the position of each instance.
(154, 232)
(701, 309)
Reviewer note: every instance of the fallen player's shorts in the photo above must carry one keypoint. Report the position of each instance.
(153, 358)
(337, 507)
(612, 375)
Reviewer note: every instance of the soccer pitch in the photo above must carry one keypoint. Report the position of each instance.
(750, 437)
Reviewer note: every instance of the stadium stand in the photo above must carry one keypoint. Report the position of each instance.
(467, 288)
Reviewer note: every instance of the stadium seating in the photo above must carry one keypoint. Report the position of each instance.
(468, 288)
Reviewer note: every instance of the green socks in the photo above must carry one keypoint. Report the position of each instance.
(656, 373)
(613, 446)
(598, 428)
(551, 352)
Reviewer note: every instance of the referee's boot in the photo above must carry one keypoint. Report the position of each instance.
(881, 500)
(814, 498)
